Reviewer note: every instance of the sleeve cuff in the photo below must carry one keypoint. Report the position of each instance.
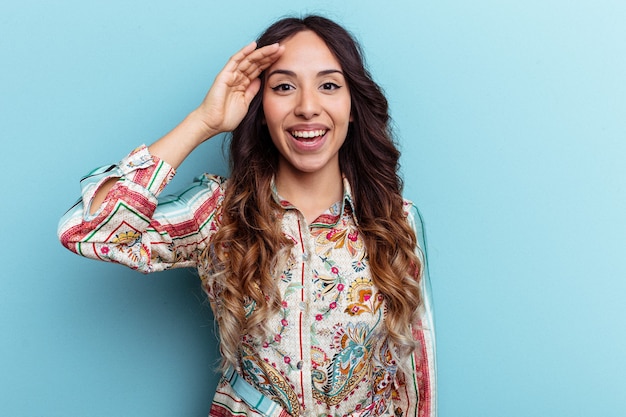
(147, 170)
(139, 167)
(139, 158)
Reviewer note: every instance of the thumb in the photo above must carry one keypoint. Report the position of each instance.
(252, 90)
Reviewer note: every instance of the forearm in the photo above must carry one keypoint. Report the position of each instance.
(223, 108)
(176, 145)
(173, 148)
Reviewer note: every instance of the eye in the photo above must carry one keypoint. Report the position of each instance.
(282, 87)
(330, 86)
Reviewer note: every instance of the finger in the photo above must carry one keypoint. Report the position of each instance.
(264, 52)
(239, 56)
(248, 63)
(252, 90)
(251, 54)
(244, 52)
(260, 60)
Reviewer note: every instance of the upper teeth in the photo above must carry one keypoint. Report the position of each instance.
(308, 133)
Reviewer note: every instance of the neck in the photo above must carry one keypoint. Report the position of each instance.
(311, 193)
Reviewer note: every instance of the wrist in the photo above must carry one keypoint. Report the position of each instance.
(201, 128)
(176, 145)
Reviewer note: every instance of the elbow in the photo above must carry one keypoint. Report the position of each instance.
(70, 226)
(66, 237)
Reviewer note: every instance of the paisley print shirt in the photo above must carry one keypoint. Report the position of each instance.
(326, 353)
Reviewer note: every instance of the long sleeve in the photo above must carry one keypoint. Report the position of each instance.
(134, 225)
(417, 391)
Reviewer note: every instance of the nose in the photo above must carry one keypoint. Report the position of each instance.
(308, 105)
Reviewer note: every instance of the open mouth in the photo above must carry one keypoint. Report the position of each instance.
(308, 134)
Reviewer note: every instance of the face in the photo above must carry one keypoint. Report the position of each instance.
(306, 102)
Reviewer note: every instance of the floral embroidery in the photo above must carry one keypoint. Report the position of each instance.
(325, 352)
(363, 298)
(127, 238)
(128, 245)
(359, 265)
(343, 351)
(348, 366)
(347, 236)
(273, 384)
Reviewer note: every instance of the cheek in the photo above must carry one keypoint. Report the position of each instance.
(273, 119)
(343, 109)
(271, 112)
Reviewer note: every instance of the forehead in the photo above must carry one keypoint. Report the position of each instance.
(306, 51)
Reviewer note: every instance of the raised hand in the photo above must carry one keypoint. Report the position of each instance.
(227, 102)
(222, 110)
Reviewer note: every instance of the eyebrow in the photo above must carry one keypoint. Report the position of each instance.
(293, 74)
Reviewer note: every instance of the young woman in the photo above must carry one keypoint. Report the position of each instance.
(308, 253)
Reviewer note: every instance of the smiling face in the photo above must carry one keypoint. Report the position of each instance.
(306, 102)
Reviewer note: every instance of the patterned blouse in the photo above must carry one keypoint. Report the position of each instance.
(326, 354)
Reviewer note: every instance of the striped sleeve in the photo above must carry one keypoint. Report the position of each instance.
(417, 390)
(137, 227)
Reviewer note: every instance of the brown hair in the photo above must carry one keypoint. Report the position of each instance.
(250, 240)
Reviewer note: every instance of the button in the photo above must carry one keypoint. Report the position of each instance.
(306, 256)
(299, 365)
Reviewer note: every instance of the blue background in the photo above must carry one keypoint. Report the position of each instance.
(511, 119)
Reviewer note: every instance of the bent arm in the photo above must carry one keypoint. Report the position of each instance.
(173, 149)
(136, 227)
(222, 109)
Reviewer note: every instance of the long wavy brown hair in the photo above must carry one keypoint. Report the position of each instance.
(247, 248)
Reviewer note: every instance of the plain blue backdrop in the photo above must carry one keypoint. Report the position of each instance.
(511, 116)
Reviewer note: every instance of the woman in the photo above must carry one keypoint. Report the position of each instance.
(308, 253)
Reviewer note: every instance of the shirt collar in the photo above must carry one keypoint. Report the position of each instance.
(331, 216)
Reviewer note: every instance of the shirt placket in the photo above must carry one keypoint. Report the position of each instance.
(306, 251)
